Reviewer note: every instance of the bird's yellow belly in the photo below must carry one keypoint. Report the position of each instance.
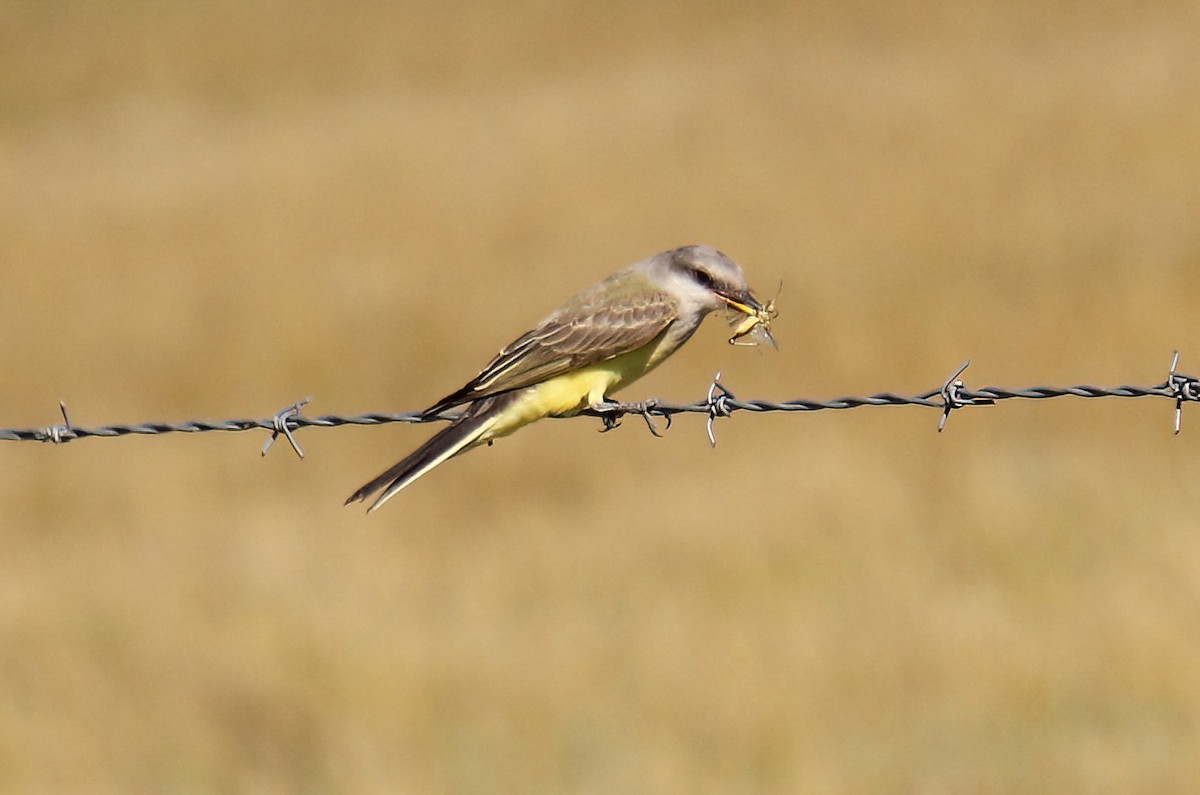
(569, 393)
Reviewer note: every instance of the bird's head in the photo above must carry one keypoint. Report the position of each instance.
(707, 280)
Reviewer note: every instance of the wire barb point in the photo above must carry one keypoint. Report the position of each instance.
(955, 395)
(1183, 387)
(59, 434)
(281, 421)
(717, 405)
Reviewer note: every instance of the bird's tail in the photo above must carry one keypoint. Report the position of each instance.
(458, 437)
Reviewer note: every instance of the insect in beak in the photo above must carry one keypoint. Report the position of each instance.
(756, 325)
(757, 321)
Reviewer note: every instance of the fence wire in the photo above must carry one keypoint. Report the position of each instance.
(719, 402)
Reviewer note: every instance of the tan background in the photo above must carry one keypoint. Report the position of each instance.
(212, 210)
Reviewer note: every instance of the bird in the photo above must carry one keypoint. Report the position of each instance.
(602, 339)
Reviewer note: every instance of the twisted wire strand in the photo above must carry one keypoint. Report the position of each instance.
(720, 402)
(71, 432)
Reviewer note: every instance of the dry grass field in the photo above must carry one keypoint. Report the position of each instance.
(212, 210)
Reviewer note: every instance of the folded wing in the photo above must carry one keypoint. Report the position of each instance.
(617, 316)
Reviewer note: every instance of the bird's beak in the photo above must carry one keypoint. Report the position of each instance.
(743, 301)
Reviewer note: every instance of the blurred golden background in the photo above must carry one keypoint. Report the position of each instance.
(212, 210)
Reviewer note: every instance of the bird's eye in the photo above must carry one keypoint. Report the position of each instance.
(703, 278)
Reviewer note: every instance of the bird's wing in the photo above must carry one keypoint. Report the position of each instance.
(616, 316)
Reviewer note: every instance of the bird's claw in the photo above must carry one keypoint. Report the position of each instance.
(610, 413)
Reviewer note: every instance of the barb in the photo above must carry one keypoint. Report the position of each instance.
(60, 434)
(954, 395)
(718, 405)
(1183, 387)
(719, 402)
(282, 422)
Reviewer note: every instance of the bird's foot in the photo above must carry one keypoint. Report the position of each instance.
(611, 411)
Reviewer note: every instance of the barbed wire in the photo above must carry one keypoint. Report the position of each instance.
(719, 402)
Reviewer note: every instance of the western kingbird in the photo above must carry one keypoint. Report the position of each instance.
(599, 341)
